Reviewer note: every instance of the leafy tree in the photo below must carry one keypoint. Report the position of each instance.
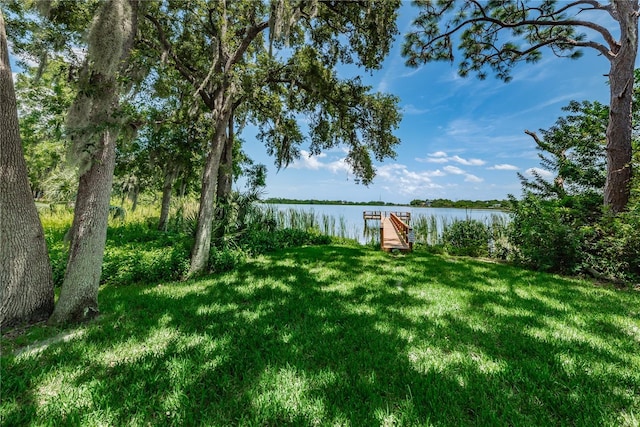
(44, 101)
(26, 284)
(574, 149)
(173, 141)
(52, 34)
(560, 225)
(220, 49)
(497, 34)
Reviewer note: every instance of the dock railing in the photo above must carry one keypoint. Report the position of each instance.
(373, 215)
(405, 216)
(405, 231)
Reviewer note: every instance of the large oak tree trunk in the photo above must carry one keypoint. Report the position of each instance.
(225, 173)
(26, 285)
(225, 180)
(79, 295)
(621, 78)
(202, 244)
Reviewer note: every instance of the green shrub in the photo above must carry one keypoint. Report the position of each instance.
(571, 235)
(131, 263)
(467, 237)
(259, 241)
(611, 248)
(136, 252)
(542, 238)
(221, 260)
(58, 255)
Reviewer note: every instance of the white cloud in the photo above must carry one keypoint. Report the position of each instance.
(313, 162)
(533, 72)
(545, 104)
(406, 182)
(468, 128)
(433, 160)
(413, 110)
(383, 84)
(339, 165)
(504, 167)
(388, 171)
(453, 170)
(442, 157)
(307, 161)
(472, 178)
(468, 162)
(412, 72)
(545, 174)
(452, 77)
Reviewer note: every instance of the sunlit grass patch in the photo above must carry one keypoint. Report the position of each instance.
(286, 394)
(340, 335)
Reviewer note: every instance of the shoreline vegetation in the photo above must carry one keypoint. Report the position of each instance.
(416, 203)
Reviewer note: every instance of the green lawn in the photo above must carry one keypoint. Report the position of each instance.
(339, 335)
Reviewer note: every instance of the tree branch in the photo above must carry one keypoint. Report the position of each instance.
(594, 45)
(609, 53)
(252, 33)
(534, 136)
(180, 66)
(595, 5)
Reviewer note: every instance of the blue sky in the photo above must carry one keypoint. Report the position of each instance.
(460, 138)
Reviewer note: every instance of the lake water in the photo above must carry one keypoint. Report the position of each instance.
(347, 220)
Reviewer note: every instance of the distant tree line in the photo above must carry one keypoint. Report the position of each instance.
(461, 204)
(433, 203)
(284, 201)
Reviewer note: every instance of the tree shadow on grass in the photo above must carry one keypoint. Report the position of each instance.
(340, 335)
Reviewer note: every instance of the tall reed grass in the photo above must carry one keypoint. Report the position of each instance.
(308, 220)
(428, 229)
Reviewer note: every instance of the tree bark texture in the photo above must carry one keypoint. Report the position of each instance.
(79, 295)
(26, 284)
(225, 179)
(202, 244)
(225, 173)
(619, 131)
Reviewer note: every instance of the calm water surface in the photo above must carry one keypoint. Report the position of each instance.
(351, 215)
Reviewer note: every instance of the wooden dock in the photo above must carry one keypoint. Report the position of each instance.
(395, 232)
(378, 215)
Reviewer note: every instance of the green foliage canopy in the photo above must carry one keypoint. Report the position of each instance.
(574, 150)
(221, 47)
(497, 34)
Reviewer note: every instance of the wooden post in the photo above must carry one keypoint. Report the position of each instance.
(381, 230)
(410, 238)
